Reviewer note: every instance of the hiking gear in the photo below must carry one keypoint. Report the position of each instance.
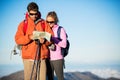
(25, 23)
(56, 54)
(27, 50)
(36, 60)
(64, 51)
(14, 51)
(55, 40)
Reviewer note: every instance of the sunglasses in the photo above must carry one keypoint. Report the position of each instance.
(50, 22)
(33, 14)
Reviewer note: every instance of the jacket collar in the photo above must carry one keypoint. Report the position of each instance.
(55, 26)
(38, 20)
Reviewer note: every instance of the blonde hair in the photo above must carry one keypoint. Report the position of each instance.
(53, 15)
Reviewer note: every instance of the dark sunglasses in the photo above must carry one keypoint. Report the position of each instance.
(33, 14)
(50, 22)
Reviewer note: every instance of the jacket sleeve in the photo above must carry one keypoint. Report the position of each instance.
(20, 38)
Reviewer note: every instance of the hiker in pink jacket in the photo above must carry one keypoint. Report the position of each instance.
(56, 57)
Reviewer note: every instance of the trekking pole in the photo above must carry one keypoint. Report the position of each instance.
(38, 61)
(35, 60)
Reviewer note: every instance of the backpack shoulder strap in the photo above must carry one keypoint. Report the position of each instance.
(58, 31)
(25, 23)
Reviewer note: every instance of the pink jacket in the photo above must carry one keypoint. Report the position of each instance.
(56, 55)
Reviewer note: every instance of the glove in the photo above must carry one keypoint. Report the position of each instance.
(55, 40)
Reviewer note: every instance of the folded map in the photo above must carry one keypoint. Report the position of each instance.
(38, 35)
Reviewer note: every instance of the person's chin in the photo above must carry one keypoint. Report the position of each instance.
(34, 19)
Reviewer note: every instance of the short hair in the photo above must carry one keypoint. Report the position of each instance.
(53, 15)
(32, 6)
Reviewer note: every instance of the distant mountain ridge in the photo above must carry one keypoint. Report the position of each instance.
(68, 76)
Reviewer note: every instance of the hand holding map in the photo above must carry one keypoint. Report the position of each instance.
(38, 34)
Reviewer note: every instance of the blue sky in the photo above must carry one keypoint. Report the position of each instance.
(93, 27)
